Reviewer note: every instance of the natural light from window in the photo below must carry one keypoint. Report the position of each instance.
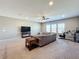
(48, 28)
(53, 27)
(61, 28)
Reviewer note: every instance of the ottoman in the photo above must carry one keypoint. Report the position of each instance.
(31, 42)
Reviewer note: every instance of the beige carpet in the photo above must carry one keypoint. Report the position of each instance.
(60, 49)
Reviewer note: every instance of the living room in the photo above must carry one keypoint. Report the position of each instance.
(51, 17)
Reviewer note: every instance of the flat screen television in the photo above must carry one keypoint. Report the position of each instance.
(25, 29)
(77, 30)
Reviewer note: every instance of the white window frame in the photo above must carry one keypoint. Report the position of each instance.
(61, 29)
(48, 29)
(54, 26)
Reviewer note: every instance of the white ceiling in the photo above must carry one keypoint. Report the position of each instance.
(34, 9)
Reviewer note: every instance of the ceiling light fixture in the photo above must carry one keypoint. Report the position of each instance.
(50, 3)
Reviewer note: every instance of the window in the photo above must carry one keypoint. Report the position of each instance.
(56, 28)
(61, 28)
(53, 28)
(48, 28)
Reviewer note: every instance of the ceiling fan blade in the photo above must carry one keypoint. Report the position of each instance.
(43, 17)
(47, 18)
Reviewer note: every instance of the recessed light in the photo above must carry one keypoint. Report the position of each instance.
(50, 3)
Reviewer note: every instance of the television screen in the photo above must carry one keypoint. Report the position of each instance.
(25, 29)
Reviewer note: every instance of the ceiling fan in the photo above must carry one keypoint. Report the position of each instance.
(44, 18)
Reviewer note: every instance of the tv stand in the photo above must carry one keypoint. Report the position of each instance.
(25, 34)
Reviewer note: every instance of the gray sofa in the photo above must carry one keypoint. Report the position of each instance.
(46, 38)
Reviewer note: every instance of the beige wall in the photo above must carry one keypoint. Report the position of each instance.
(70, 23)
(78, 21)
(42, 27)
(10, 27)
